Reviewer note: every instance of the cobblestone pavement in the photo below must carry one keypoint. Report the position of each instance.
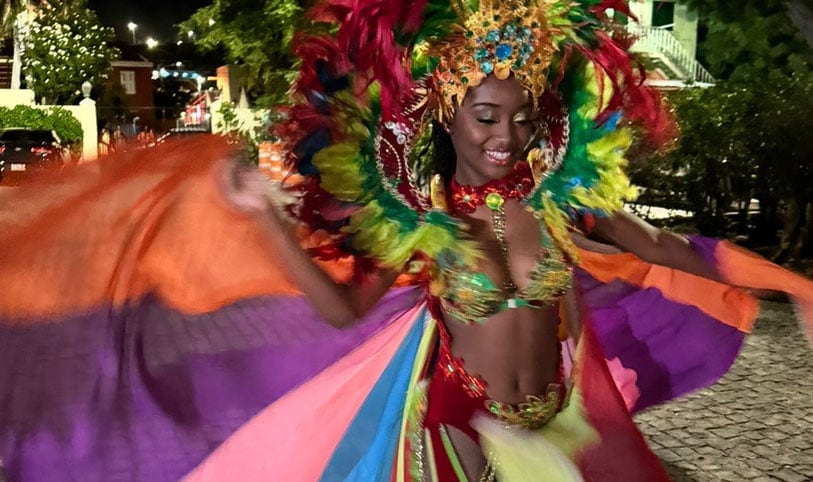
(755, 424)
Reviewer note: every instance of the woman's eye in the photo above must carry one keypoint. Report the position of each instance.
(487, 121)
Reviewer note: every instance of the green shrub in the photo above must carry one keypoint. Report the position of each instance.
(57, 119)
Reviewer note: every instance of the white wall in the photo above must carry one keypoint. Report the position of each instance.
(642, 9)
(685, 31)
(12, 97)
(685, 23)
(85, 112)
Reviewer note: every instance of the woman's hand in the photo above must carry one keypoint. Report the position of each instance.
(245, 188)
(249, 191)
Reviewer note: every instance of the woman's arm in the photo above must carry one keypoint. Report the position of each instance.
(652, 245)
(339, 304)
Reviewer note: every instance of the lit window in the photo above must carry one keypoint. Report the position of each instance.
(128, 81)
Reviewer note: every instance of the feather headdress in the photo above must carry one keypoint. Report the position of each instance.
(369, 88)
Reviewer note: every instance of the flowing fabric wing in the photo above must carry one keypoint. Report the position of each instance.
(679, 332)
(143, 321)
(147, 332)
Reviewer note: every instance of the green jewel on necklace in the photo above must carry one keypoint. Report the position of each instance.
(494, 201)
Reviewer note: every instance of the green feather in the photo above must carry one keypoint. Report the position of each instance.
(592, 176)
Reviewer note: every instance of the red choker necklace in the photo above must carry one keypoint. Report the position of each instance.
(516, 185)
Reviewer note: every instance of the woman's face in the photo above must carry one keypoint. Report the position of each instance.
(491, 129)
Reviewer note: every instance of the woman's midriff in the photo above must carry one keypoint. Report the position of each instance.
(515, 352)
(524, 387)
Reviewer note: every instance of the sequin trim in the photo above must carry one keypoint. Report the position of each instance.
(532, 414)
(453, 369)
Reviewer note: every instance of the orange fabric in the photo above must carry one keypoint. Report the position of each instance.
(747, 269)
(744, 268)
(729, 305)
(108, 232)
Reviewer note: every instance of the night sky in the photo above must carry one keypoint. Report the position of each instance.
(155, 18)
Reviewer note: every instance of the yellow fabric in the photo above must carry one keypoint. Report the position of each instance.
(547, 454)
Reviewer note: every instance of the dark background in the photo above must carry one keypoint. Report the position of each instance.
(155, 18)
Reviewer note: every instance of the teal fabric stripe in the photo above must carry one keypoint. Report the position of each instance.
(366, 453)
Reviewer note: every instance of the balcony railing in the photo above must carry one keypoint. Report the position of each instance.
(5, 72)
(661, 43)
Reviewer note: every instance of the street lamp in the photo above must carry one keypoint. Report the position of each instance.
(86, 88)
(151, 43)
(132, 27)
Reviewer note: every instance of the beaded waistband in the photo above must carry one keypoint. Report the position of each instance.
(534, 413)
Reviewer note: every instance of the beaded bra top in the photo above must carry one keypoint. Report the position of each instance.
(471, 296)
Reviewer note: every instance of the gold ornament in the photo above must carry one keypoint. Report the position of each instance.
(500, 38)
(437, 193)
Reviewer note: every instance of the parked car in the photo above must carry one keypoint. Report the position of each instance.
(182, 132)
(24, 153)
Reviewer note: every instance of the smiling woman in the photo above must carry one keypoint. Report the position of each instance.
(491, 130)
(197, 327)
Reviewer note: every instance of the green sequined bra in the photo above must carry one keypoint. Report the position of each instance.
(472, 297)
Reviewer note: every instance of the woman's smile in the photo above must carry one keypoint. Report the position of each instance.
(499, 158)
(490, 130)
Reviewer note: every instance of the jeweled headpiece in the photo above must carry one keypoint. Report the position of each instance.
(499, 38)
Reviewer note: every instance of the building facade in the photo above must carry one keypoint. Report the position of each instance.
(667, 34)
(134, 77)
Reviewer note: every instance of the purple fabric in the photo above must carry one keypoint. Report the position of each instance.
(706, 248)
(147, 393)
(674, 348)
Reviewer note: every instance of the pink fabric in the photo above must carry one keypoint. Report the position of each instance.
(294, 438)
(624, 379)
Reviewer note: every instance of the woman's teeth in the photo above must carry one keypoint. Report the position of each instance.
(500, 158)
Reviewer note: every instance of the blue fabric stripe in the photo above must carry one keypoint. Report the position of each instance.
(366, 453)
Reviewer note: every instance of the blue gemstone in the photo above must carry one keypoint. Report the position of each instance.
(510, 29)
(480, 54)
(487, 67)
(574, 182)
(492, 36)
(503, 51)
(612, 122)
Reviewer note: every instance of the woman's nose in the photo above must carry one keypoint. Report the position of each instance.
(507, 135)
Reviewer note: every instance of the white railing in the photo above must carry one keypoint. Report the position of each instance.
(661, 42)
(5, 72)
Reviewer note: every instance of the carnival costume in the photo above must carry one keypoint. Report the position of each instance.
(147, 331)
